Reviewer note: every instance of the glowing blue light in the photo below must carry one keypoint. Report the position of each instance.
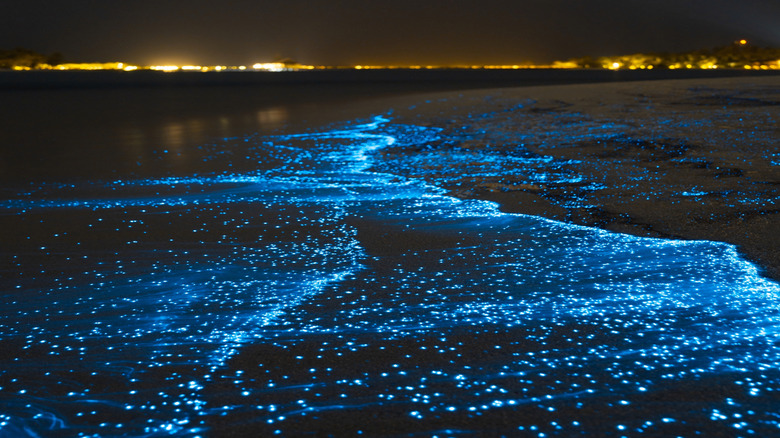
(325, 286)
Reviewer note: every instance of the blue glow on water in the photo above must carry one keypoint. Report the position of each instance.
(318, 295)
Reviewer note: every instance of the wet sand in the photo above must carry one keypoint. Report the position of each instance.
(270, 284)
(686, 158)
(689, 159)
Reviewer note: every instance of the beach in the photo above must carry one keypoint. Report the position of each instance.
(574, 259)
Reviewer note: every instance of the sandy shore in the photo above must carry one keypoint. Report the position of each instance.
(175, 274)
(690, 159)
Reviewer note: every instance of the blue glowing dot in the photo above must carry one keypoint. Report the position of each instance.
(342, 287)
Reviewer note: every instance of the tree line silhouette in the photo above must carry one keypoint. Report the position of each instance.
(26, 58)
(737, 55)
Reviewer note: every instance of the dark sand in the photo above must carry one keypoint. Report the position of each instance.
(685, 158)
(155, 299)
(688, 159)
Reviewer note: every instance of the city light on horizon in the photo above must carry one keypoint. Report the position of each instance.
(740, 54)
(630, 62)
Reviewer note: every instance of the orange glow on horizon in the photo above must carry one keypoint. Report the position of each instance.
(730, 57)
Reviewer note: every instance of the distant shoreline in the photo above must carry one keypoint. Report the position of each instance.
(413, 79)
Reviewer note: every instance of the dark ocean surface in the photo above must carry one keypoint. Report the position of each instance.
(226, 263)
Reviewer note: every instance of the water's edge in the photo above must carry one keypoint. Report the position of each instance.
(317, 295)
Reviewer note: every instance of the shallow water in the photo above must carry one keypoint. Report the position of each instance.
(312, 295)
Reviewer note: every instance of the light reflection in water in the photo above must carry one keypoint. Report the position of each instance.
(275, 117)
(316, 295)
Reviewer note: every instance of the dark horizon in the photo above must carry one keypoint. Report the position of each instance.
(347, 32)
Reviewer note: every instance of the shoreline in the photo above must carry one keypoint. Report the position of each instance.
(269, 283)
(686, 158)
(690, 159)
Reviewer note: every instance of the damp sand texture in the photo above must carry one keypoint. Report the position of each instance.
(342, 288)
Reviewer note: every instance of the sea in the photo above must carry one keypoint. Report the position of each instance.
(228, 262)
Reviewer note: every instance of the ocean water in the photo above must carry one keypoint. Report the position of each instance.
(311, 295)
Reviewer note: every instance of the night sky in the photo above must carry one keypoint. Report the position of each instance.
(332, 32)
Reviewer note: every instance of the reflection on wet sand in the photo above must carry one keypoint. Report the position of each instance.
(177, 137)
(177, 144)
(126, 133)
(275, 117)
